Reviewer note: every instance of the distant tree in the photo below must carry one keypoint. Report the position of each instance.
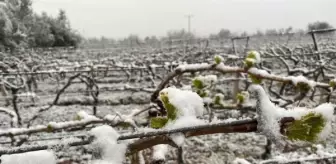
(7, 27)
(64, 35)
(134, 39)
(281, 31)
(289, 30)
(271, 32)
(300, 32)
(259, 33)
(179, 34)
(24, 11)
(224, 33)
(40, 33)
(319, 25)
(213, 36)
(20, 27)
(244, 34)
(152, 41)
(147, 40)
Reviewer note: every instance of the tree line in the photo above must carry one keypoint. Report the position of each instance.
(21, 27)
(135, 40)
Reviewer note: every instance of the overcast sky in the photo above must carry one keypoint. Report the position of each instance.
(119, 18)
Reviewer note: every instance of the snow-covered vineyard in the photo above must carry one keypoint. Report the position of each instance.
(272, 104)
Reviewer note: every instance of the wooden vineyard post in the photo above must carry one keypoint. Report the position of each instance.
(313, 34)
(322, 31)
(234, 46)
(314, 40)
(247, 43)
(236, 84)
(233, 41)
(316, 48)
(170, 44)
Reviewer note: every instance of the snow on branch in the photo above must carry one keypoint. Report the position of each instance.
(24, 149)
(83, 119)
(190, 68)
(308, 159)
(309, 125)
(104, 143)
(36, 157)
(155, 137)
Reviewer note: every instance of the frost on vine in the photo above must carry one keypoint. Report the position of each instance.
(302, 83)
(309, 125)
(202, 85)
(35, 157)
(105, 147)
(179, 104)
(183, 107)
(242, 97)
(252, 58)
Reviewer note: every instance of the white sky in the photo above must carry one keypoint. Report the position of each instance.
(119, 18)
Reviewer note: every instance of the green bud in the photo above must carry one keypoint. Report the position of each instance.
(49, 128)
(241, 98)
(218, 99)
(77, 118)
(124, 125)
(332, 83)
(303, 87)
(218, 59)
(248, 62)
(252, 54)
(251, 59)
(202, 93)
(198, 84)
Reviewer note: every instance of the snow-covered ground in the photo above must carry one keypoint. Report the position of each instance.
(217, 148)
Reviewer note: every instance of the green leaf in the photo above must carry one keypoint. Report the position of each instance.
(202, 93)
(218, 100)
(125, 125)
(198, 84)
(303, 87)
(255, 80)
(50, 128)
(158, 122)
(240, 97)
(307, 128)
(171, 110)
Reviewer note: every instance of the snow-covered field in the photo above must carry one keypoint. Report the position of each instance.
(117, 89)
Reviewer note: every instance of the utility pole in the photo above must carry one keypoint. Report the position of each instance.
(189, 16)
